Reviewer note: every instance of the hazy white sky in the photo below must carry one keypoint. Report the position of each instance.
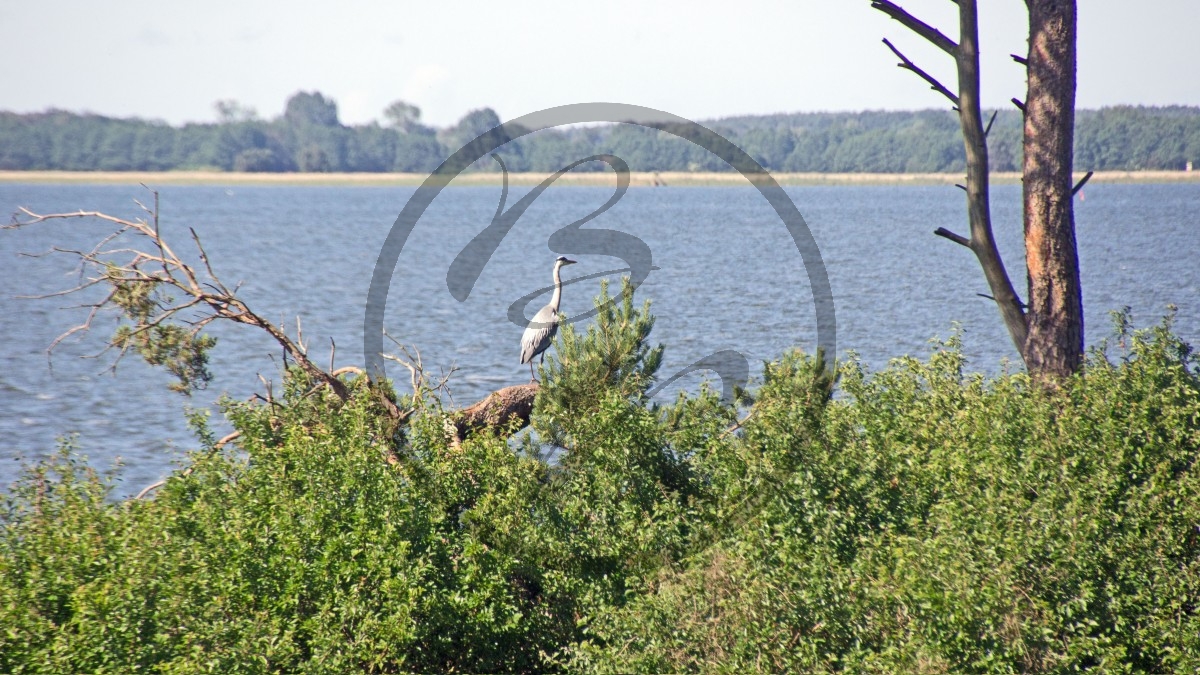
(172, 60)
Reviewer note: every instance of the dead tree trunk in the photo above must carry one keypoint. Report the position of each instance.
(1054, 345)
(507, 408)
(982, 243)
(1049, 336)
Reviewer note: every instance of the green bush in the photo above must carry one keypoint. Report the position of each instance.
(936, 522)
(922, 519)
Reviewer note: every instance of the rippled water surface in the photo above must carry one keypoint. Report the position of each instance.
(729, 277)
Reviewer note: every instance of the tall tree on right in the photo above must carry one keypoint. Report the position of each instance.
(1048, 331)
(1055, 316)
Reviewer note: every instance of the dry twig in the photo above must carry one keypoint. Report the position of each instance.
(188, 471)
(135, 274)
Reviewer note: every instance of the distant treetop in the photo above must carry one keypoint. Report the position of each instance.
(309, 137)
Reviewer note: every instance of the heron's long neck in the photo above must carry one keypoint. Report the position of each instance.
(554, 299)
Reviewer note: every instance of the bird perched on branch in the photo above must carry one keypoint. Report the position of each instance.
(540, 332)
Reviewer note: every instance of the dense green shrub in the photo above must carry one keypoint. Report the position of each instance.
(922, 519)
(935, 522)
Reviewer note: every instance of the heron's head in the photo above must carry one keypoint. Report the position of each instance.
(563, 261)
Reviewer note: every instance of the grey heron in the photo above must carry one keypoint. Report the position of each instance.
(539, 334)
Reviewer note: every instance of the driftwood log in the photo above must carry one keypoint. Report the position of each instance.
(499, 409)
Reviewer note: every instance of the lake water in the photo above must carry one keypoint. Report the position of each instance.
(729, 277)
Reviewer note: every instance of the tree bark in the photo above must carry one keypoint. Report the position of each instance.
(1054, 345)
(499, 409)
(982, 242)
(1048, 332)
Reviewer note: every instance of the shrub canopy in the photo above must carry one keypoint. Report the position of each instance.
(917, 519)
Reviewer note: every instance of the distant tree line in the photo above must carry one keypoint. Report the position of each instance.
(308, 137)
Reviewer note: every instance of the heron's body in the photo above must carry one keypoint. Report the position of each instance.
(539, 335)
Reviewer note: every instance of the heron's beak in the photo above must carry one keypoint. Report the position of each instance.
(569, 262)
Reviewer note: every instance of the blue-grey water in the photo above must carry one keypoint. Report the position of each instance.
(730, 277)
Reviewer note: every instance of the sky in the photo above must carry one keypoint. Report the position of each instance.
(701, 60)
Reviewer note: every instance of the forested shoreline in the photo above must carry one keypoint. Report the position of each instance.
(309, 137)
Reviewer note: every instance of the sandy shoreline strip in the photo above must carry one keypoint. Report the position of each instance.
(605, 178)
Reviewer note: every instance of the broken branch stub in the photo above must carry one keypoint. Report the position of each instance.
(501, 409)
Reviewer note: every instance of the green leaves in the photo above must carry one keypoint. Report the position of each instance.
(935, 521)
(183, 351)
(922, 519)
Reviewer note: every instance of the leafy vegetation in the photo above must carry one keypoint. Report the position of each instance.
(913, 519)
(183, 352)
(308, 137)
(935, 522)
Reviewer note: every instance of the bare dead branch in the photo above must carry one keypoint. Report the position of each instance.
(917, 26)
(982, 240)
(415, 374)
(204, 259)
(1017, 102)
(227, 438)
(57, 294)
(176, 274)
(83, 327)
(188, 471)
(37, 218)
(444, 384)
(157, 236)
(966, 103)
(988, 129)
(909, 65)
(1020, 59)
(985, 295)
(270, 399)
(1082, 181)
(137, 286)
(150, 488)
(739, 424)
(300, 335)
(956, 238)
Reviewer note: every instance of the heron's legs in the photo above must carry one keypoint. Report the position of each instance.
(532, 378)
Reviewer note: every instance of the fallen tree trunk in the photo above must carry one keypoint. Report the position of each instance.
(500, 409)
